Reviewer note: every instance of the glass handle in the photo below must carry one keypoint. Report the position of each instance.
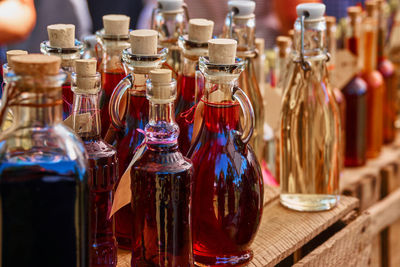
(153, 15)
(199, 85)
(185, 8)
(248, 113)
(115, 100)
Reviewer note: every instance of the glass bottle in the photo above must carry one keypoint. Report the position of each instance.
(135, 117)
(310, 121)
(169, 19)
(68, 56)
(355, 93)
(112, 41)
(190, 90)
(228, 187)
(102, 158)
(375, 83)
(43, 173)
(240, 26)
(161, 184)
(387, 69)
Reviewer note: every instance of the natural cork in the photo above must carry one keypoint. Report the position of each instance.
(354, 11)
(161, 76)
(160, 79)
(61, 35)
(115, 24)
(13, 53)
(36, 65)
(86, 75)
(330, 21)
(222, 51)
(370, 7)
(260, 44)
(200, 30)
(144, 42)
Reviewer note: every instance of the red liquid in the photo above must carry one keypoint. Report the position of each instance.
(184, 117)
(137, 117)
(68, 97)
(228, 190)
(161, 191)
(102, 179)
(109, 81)
(355, 93)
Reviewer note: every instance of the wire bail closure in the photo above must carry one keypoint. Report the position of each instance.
(305, 65)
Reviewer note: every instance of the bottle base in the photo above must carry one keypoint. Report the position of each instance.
(225, 260)
(309, 202)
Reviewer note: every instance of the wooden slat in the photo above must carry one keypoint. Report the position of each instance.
(349, 247)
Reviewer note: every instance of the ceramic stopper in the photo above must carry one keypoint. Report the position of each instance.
(311, 11)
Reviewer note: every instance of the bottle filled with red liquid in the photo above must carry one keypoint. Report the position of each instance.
(375, 83)
(388, 71)
(103, 165)
(135, 115)
(355, 93)
(228, 186)
(161, 184)
(193, 46)
(112, 39)
(63, 45)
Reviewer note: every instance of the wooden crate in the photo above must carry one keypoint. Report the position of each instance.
(288, 237)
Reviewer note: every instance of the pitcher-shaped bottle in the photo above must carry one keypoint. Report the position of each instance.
(130, 115)
(240, 26)
(310, 121)
(228, 185)
(62, 43)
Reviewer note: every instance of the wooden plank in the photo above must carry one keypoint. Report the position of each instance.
(349, 247)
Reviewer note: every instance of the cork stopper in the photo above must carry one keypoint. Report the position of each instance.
(291, 34)
(353, 11)
(61, 35)
(86, 71)
(115, 24)
(161, 76)
(144, 42)
(260, 44)
(370, 7)
(330, 21)
(36, 65)
(161, 90)
(222, 51)
(200, 30)
(12, 53)
(283, 41)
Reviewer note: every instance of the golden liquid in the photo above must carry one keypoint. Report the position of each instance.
(310, 141)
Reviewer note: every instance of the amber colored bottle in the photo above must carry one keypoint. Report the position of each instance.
(355, 93)
(387, 69)
(375, 83)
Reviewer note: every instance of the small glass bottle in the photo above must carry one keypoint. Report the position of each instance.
(240, 26)
(355, 93)
(112, 39)
(103, 166)
(388, 71)
(62, 43)
(169, 19)
(375, 83)
(310, 121)
(193, 46)
(227, 184)
(43, 172)
(161, 184)
(139, 60)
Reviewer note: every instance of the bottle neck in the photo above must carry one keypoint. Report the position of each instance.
(314, 38)
(370, 44)
(111, 55)
(86, 116)
(243, 31)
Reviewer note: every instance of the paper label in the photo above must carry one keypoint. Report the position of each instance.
(123, 194)
(273, 104)
(345, 69)
(83, 122)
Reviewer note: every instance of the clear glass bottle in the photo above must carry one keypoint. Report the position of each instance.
(240, 26)
(375, 83)
(43, 173)
(103, 167)
(355, 93)
(310, 121)
(169, 19)
(68, 57)
(111, 69)
(161, 183)
(127, 138)
(228, 186)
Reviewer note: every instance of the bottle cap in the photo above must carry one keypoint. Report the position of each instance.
(61, 35)
(85, 70)
(242, 8)
(161, 90)
(170, 5)
(36, 65)
(144, 42)
(13, 53)
(283, 41)
(200, 30)
(115, 24)
(354, 11)
(330, 21)
(311, 11)
(222, 51)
